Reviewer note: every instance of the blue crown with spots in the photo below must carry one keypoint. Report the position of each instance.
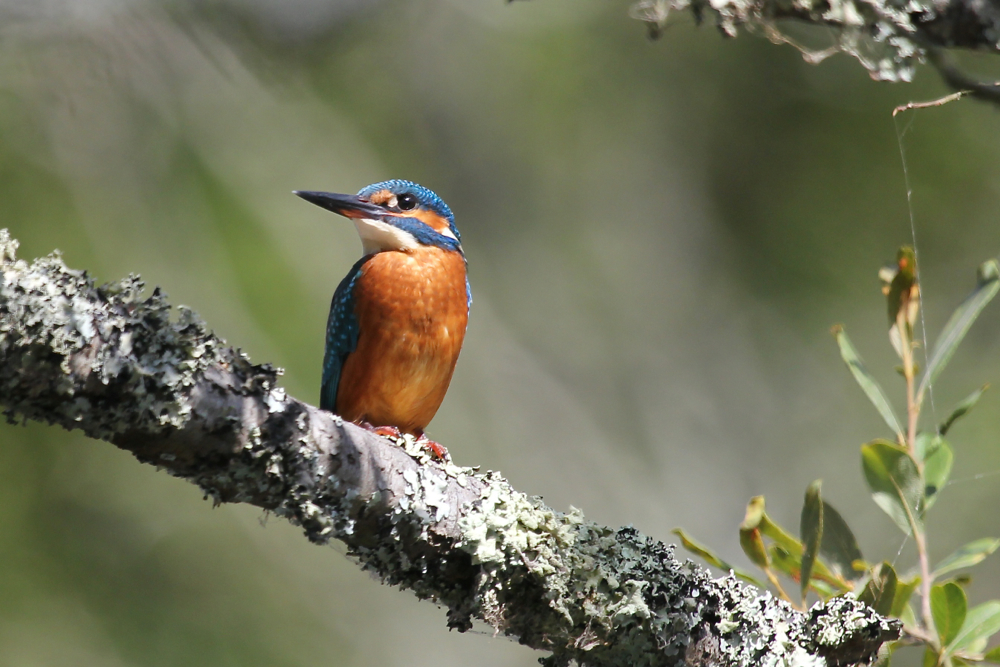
(427, 198)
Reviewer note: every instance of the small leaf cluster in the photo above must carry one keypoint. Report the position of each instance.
(905, 474)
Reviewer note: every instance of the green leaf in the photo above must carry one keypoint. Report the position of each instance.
(753, 547)
(712, 559)
(895, 482)
(789, 565)
(754, 513)
(781, 536)
(811, 530)
(948, 607)
(783, 561)
(750, 538)
(976, 648)
(880, 591)
(868, 383)
(839, 546)
(981, 622)
(987, 284)
(962, 408)
(824, 589)
(757, 525)
(972, 553)
(993, 655)
(922, 444)
(904, 591)
(930, 658)
(937, 468)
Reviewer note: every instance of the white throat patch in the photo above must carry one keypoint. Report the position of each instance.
(377, 236)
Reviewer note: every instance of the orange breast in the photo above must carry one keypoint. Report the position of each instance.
(412, 311)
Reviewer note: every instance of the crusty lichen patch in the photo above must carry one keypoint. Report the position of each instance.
(112, 335)
(599, 596)
(120, 367)
(617, 597)
(889, 38)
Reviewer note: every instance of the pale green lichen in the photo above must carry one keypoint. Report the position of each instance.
(887, 37)
(116, 365)
(110, 334)
(616, 597)
(596, 582)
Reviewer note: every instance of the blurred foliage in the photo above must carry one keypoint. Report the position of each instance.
(905, 477)
(658, 236)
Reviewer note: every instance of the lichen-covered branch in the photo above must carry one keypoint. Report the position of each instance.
(888, 37)
(115, 364)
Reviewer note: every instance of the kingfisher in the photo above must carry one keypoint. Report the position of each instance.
(398, 318)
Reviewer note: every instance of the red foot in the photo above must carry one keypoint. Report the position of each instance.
(387, 431)
(384, 431)
(437, 449)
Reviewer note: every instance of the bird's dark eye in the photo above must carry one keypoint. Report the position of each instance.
(407, 201)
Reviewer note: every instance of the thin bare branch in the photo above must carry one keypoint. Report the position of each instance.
(941, 101)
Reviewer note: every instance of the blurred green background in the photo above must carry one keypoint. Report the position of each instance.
(659, 237)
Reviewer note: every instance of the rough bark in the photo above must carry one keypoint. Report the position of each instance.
(889, 37)
(115, 364)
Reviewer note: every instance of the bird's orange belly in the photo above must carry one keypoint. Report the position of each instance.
(412, 312)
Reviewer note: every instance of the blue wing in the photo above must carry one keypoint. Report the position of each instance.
(341, 336)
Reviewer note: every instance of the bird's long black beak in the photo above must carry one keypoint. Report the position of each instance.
(349, 206)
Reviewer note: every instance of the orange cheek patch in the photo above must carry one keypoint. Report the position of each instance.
(434, 221)
(381, 197)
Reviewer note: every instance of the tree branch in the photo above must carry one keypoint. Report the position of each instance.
(888, 37)
(114, 364)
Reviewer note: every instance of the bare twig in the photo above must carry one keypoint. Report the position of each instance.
(115, 364)
(932, 103)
